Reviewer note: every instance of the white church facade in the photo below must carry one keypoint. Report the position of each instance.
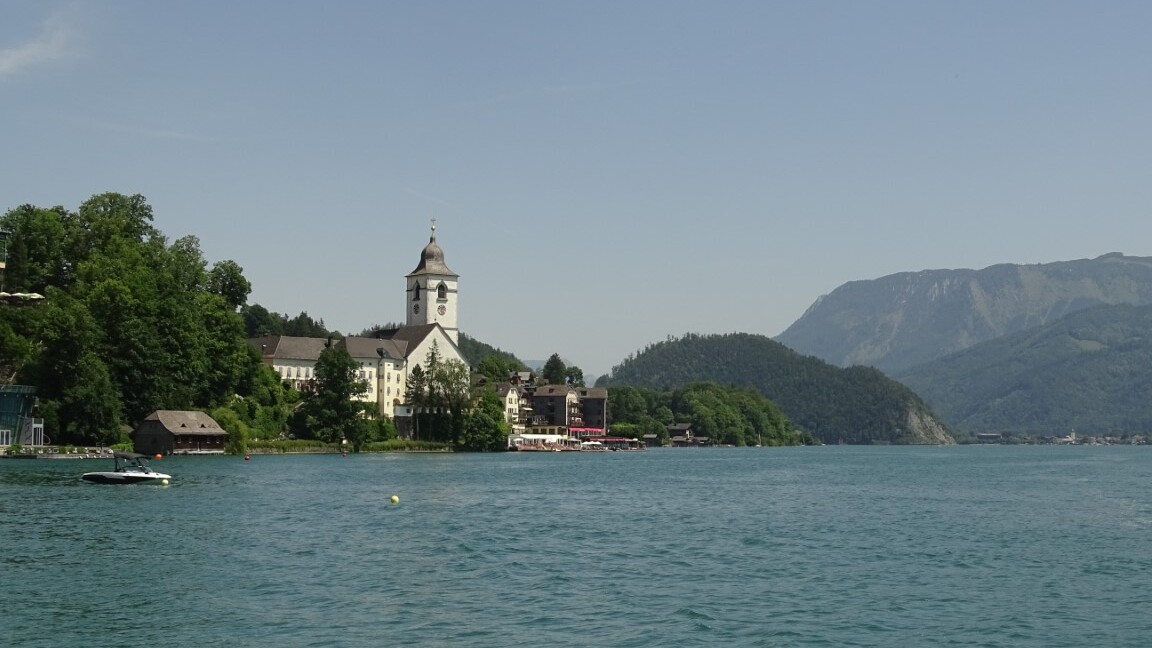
(386, 359)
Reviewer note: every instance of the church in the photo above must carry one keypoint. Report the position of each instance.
(431, 303)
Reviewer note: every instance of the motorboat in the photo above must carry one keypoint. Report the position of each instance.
(130, 468)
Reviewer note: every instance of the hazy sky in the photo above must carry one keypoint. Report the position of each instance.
(603, 174)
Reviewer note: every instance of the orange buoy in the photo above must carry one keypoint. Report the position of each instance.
(159, 456)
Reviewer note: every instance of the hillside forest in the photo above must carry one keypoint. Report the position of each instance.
(853, 405)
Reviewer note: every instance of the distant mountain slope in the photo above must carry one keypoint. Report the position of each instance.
(1090, 371)
(474, 351)
(857, 405)
(910, 318)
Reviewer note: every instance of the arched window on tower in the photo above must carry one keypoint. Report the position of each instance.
(441, 292)
(416, 291)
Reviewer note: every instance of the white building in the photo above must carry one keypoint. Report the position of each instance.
(386, 358)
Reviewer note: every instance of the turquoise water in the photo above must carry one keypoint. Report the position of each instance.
(831, 546)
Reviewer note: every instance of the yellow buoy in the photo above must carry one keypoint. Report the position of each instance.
(395, 500)
(163, 482)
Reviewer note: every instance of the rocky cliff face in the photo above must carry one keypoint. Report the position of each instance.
(926, 429)
(906, 319)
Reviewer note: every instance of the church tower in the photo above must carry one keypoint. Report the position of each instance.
(431, 294)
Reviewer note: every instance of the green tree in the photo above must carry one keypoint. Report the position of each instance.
(453, 389)
(78, 400)
(329, 410)
(234, 425)
(486, 429)
(143, 322)
(36, 247)
(258, 322)
(439, 394)
(555, 372)
(416, 396)
(495, 368)
(304, 326)
(574, 376)
(227, 280)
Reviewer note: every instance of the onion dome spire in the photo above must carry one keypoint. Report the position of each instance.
(432, 258)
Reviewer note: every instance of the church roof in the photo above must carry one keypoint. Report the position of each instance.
(365, 347)
(409, 336)
(392, 343)
(432, 259)
(286, 347)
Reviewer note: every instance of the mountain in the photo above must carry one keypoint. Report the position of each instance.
(906, 319)
(855, 405)
(474, 351)
(1090, 371)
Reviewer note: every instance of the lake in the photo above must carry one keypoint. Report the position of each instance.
(820, 546)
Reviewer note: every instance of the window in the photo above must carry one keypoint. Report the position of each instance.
(416, 292)
(441, 292)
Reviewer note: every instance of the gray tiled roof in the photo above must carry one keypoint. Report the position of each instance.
(592, 392)
(552, 390)
(187, 422)
(371, 347)
(284, 347)
(397, 344)
(410, 336)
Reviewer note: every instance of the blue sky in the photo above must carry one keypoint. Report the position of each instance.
(603, 174)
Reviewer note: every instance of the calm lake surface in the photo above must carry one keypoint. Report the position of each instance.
(829, 546)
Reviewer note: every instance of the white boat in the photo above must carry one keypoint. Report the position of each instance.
(130, 468)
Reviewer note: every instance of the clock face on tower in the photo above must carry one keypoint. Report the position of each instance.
(415, 308)
(441, 309)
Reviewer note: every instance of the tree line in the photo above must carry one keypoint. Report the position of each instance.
(853, 405)
(725, 415)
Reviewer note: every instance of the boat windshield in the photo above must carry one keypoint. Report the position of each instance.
(132, 464)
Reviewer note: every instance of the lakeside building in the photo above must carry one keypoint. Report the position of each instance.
(544, 414)
(385, 359)
(558, 415)
(179, 432)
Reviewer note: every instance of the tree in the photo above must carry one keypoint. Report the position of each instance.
(78, 400)
(453, 388)
(329, 410)
(495, 368)
(486, 429)
(555, 372)
(36, 257)
(574, 376)
(234, 425)
(439, 392)
(227, 280)
(258, 322)
(131, 324)
(416, 395)
(304, 326)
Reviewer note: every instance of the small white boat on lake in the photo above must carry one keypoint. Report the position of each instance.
(129, 468)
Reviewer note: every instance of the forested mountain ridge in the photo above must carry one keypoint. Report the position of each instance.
(907, 319)
(1090, 371)
(854, 405)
